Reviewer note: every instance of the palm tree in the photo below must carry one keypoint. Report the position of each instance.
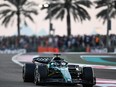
(108, 12)
(7, 13)
(76, 8)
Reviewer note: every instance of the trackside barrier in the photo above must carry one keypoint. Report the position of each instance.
(97, 50)
(47, 49)
(14, 51)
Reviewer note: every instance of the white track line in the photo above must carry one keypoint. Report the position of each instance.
(14, 59)
(96, 66)
(105, 81)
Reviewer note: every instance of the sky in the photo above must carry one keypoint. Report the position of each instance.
(41, 27)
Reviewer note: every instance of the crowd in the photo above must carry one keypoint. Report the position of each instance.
(77, 43)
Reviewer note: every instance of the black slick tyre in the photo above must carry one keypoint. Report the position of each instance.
(87, 77)
(28, 72)
(40, 74)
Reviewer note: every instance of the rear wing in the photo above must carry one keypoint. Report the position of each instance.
(45, 60)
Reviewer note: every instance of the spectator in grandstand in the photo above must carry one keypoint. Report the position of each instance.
(64, 43)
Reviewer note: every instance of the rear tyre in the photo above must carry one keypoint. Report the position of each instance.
(87, 77)
(40, 74)
(28, 72)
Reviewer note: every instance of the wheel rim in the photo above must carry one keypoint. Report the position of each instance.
(37, 78)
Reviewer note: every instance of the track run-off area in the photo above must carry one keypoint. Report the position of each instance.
(104, 66)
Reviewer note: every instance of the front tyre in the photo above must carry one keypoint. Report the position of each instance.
(87, 77)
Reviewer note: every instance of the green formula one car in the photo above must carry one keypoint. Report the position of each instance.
(57, 70)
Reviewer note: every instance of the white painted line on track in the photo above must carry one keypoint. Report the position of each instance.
(97, 56)
(96, 66)
(14, 59)
(105, 81)
(106, 85)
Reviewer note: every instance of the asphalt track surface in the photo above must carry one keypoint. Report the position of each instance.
(11, 74)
